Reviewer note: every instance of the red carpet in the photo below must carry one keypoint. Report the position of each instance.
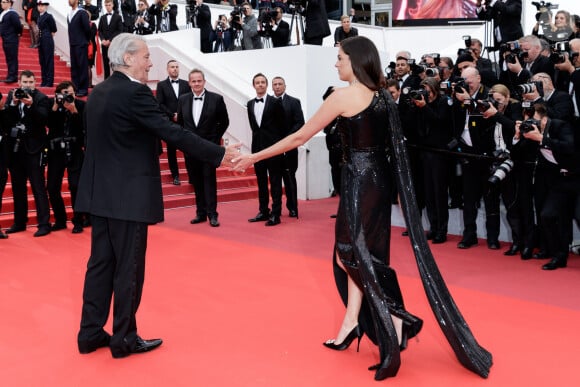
(246, 305)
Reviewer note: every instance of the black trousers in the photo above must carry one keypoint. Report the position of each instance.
(205, 185)
(79, 68)
(3, 172)
(270, 168)
(545, 177)
(517, 196)
(46, 60)
(57, 165)
(116, 270)
(289, 178)
(436, 173)
(172, 160)
(23, 167)
(11, 54)
(106, 65)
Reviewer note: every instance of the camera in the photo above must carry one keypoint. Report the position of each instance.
(460, 85)
(265, 19)
(467, 40)
(558, 52)
(527, 125)
(236, 15)
(483, 106)
(531, 87)
(17, 132)
(21, 93)
(417, 95)
(417, 69)
(502, 168)
(431, 71)
(296, 6)
(390, 70)
(62, 98)
(517, 53)
(542, 6)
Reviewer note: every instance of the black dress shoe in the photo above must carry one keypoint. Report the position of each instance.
(9, 80)
(176, 181)
(213, 221)
(261, 217)
(540, 255)
(555, 263)
(293, 213)
(405, 233)
(526, 253)
(3, 235)
(439, 239)
(198, 219)
(430, 235)
(42, 231)
(513, 250)
(92, 345)
(333, 216)
(493, 245)
(77, 229)
(58, 226)
(15, 228)
(466, 243)
(141, 346)
(274, 220)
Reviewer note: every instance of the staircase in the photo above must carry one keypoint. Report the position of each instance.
(231, 187)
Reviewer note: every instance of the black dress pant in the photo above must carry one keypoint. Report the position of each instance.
(106, 64)
(172, 160)
(79, 68)
(116, 269)
(205, 185)
(289, 178)
(517, 196)
(46, 59)
(545, 177)
(23, 167)
(436, 172)
(3, 172)
(57, 165)
(11, 54)
(270, 168)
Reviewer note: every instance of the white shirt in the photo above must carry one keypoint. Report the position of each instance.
(259, 109)
(197, 106)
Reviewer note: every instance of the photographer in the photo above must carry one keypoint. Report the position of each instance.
(144, 23)
(250, 38)
(25, 117)
(569, 75)
(165, 16)
(506, 16)
(433, 128)
(541, 90)
(128, 11)
(66, 139)
(280, 33)
(201, 18)
(316, 22)
(221, 35)
(345, 30)
(556, 172)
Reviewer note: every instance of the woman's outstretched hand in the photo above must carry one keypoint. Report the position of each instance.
(242, 162)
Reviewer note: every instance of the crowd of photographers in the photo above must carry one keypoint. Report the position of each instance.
(505, 131)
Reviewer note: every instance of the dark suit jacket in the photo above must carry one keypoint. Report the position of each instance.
(281, 36)
(120, 177)
(109, 31)
(559, 138)
(213, 120)
(507, 16)
(79, 29)
(156, 10)
(11, 27)
(560, 106)
(481, 130)
(316, 20)
(35, 118)
(273, 126)
(166, 96)
(203, 22)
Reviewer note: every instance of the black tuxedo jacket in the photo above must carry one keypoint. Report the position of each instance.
(559, 138)
(120, 177)
(281, 36)
(273, 126)
(35, 118)
(166, 96)
(79, 29)
(560, 106)
(112, 29)
(213, 120)
(481, 130)
(294, 114)
(507, 16)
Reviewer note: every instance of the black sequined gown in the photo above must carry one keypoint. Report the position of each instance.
(363, 225)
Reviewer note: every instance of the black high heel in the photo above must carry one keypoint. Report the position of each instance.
(355, 333)
(387, 368)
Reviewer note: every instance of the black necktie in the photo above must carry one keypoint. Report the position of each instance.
(172, 81)
(259, 99)
(198, 98)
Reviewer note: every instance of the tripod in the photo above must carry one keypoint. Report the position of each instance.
(297, 15)
(488, 46)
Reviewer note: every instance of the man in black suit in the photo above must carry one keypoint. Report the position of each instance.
(294, 120)
(506, 15)
(79, 35)
(110, 25)
(168, 92)
(558, 103)
(10, 31)
(268, 123)
(165, 16)
(120, 187)
(280, 30)
(316, 22)
(202, 19)
(25, 118)
(205, 114)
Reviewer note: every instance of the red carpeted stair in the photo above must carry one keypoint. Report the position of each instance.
(231, 187)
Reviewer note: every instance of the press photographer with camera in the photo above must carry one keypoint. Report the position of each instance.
(569, 74)
(201, 18)
(540, 89)
(165, 16)
(562, 29)
(144, 23)
(506, 16)
(280, 32)
(25, 117)
(66, 142)
(555, 177)
(222, 35)
(249, 26)
(316, 21)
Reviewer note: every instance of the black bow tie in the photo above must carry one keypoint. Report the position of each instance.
(109, 14)
(259, 99)
(198, 98)
(172, 81)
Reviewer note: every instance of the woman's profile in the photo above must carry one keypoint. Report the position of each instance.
(370, 135)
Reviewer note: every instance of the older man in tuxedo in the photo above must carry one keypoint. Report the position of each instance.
(205, 114)
(268, 123)
(295, 120)
(120, 187)
(168, 92)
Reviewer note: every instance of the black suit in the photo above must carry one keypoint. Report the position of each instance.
(79, 35)
(202, 20)
(316, 22)
(10, 31)
(281, 35)
(164, 18)
(107, 31)
(272, 129)
(507, 19)
(295, 120)
(120, 186)
(25, 163)
(211, 126)
(168, 103)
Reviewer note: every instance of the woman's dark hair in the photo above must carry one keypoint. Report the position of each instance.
(432, 84)
(365, 61)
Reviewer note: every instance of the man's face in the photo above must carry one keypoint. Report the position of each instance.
(139, 64)
(6, 5)
(69, 90)
(247, 10)
(345, 24)
(472, 79)
(278, 87)
(173, 69)
(543, 120)
(394, 92)
(72, 3)
(41, 8)
(464, 65)
(533, 51)
(27, 82)
(402, 67)
(109, 7)
(476, 50)
(279, 14)
(197, 83)
(261, 85)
